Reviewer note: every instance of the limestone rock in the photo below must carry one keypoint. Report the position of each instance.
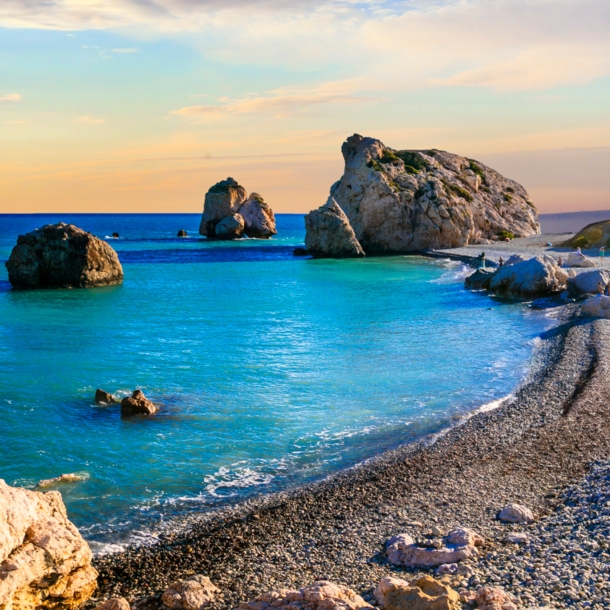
(596, 307)
(231, 227)
(408, 200)
(44, 561)
(577, 259)
(516, 538)
(493, 598)
(63, 256)
(137, 404)
(193, 593)
(114, 603)
(530, 279)
(595, 235)
(423, 593)
(102, 397)
(72, 477)
(459, 544)
(516, 513)
(222, 200)
(322, 595)
(258, 217)
(182, 233)
(514, 259)
(586, 283)
(479, 280)
(329, 234)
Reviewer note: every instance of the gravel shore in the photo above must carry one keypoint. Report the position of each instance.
(529, 450)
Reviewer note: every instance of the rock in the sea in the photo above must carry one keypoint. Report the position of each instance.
(231, 227)
(193, 593)
(300, 252)
(596, 307)
(182, 233)
(494, 598)
(114, 603)
(258, 217)
(408, 200)
(586, 283)
(480, 279)
(577, 259)
(530, 279)
(424, 593)
(62, 256)
(516, 513)
(137, 404)
(329, 234)
(102, 397)
(322, 595)
(458, 545)
(72, 477)
(222, 200)
(44, 561)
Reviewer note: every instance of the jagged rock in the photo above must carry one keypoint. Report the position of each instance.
(516, 513)
(102, 397)
(586, 283)
(480, 279)
(62, 256)
(596, 307)
(137, 404)
(193, 593)
(403, 201)
(114, 603)
(62, 478)
(459, 544)
(329, 234)
(322, 595)
(424, 593)
(493, 598)
(577, 259)
(530, 279)
(44, 561)
(222, 200)
(258, 217)
(231, 227)
(182, 233)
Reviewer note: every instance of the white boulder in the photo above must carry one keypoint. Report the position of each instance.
(587, 282)
(231, 227)
(258, 217)
(516, 513)
(530, 279)
(596, 307)
(577, 259)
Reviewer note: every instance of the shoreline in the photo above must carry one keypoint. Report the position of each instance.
(527, 450)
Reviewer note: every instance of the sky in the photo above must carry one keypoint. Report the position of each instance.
(142, 105)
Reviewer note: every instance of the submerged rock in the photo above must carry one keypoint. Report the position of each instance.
(193, 593)
(424, 593)
(62, 478)
(258, 217)
(102, 397)
(182, 233)
(300, 252)
(63, 256)
(137, 404)
(516, 513)
(408, 200)
(44, 561)
(329, 234)
(530, 279)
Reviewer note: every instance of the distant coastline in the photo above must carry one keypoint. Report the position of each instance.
(570, 222)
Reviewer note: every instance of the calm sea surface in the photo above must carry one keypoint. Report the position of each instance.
(270, 370)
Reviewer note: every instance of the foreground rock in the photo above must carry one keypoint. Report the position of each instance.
(408, 200)
(114, 603)
(516, 513)
(44, 561)
(587, 283)
(423, 593)
(329, 234)
(62, 256)
(530, 279)
(193, 593)
(494, 598)
(596, 307)
(137, 404)
(102, 397)
(322, 595)
(577, 259)
(479, 280)
(458, 545)
(228, 213)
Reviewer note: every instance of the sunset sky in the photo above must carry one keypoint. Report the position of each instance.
(141, 105)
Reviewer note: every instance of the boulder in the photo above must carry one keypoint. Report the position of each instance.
(424, 593)
(494, 598)
(258, 217)
(516, 538)
(44, 561)
(329, 234)
(516, 513)
(322, 595)
(596, 307)
(102, 397)
(193, 593)
(231, 227)
(114, 603)
(577, 259)
(586, 283)
(479, 280)
(72, 477)
(182, 233)
(409, 200)
(222, 200)
(62, 256)
(137, 404)
(530, 279)
(458, 545)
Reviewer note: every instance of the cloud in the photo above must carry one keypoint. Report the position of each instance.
(10, 97)
(89, 120)
(128, 50)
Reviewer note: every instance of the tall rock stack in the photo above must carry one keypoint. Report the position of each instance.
(409, 200)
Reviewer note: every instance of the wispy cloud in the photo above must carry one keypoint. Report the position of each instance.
(89, 120)
(128, 50)
(10, 97)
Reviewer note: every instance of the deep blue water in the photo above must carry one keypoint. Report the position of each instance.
(271, 370)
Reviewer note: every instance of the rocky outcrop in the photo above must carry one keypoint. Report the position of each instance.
(594, 235)
(44, 561)
(228, 213)
(137, 404)
(458, 545)
(329, 234)
(408, 200)
(62, 256)
(322, 595)
(516, 513)
(479, 280)
(587, 283)
(102, 397)
(424, 593)
(530, 279)
(193, 593)
(596, 307)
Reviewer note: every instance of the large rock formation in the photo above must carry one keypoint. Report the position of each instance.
(63, 256)
(228, 213)
(44, 561)
(407, 200)
(530, 279)
(329, 233)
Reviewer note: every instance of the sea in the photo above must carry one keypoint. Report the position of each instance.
(270, 370)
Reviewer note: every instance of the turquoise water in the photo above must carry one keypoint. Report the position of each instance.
(271, 370)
